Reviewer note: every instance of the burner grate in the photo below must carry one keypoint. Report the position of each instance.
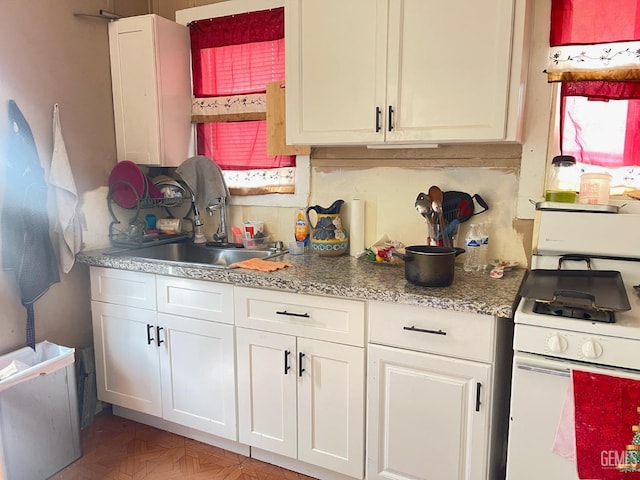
(574, 312)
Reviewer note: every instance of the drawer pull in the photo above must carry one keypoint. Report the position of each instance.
(423, 330)
(284, 312)
(149, 337)
(300, 367)
(158, 341)
(287, 367)
(478, 387)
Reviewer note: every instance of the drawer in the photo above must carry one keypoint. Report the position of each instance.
(442, 332)
(323, 318)
(195, 298)
(133, 289)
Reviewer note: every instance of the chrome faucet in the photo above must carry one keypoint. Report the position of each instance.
(221, 232)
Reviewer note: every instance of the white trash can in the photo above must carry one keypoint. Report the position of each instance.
(39, 428)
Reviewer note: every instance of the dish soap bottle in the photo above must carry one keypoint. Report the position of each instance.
(301, 231)
(563, 180)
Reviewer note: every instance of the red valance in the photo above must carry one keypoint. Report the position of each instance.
(250, 27)
(602, 90)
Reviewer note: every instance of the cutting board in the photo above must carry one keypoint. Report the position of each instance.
(276, 123)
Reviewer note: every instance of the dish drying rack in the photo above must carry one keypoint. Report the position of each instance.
(121, 238)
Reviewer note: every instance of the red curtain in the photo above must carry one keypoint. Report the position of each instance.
(236, 55)
(242, 29)
(239, 146)
(594, 21)
(583, 135)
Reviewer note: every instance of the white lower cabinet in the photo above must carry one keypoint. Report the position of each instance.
(432, 394)
(267, 380)
(127, 364)
(300, 396)
(163, 362)
(428, 418)
(435, 389)
(198, 375)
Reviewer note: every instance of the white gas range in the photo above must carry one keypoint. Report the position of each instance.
(548, 346)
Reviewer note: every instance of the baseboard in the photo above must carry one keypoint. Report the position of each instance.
(198, 435)
(297, 465)
(231, 446)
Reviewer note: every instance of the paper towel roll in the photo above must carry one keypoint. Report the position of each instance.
(356, 228)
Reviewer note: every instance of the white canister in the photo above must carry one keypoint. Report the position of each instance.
(169, 225)
(594, 188)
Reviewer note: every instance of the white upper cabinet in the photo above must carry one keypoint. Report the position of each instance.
(404, 71)
(150, 75)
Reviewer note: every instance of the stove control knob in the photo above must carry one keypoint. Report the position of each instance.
(591, 349)
(557, 343)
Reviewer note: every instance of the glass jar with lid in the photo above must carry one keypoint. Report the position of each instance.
(563, 180)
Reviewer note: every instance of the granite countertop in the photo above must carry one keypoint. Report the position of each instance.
(346, 277)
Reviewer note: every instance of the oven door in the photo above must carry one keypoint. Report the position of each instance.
(537, 393)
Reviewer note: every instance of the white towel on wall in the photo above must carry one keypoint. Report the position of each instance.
(66, 199)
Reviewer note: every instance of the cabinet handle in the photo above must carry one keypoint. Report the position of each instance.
(478, 387)
(423, 330)
(378, 115)
(149, 337)
(390, 126)
(300, 368)
(546, 371)
(158, 341)
(287, 367)
(284, 312)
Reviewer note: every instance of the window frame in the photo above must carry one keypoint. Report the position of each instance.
(300, 198)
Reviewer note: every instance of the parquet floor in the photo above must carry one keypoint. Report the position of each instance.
(116, 448)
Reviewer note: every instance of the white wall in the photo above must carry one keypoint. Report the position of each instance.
(47, 56)
(389, 194)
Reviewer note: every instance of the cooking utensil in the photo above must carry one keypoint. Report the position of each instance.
(429, 266)
(423, 205)
(461, 205)
(127, 184)
(436, 203)
(598, 289)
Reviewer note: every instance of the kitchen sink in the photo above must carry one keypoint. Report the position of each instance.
(197, 254)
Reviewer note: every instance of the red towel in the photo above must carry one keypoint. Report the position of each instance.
(607, 415)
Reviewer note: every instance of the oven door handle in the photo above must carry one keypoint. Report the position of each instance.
(546, 371)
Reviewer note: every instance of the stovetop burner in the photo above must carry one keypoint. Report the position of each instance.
(574, 312)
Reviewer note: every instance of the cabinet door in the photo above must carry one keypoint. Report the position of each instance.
(151, 89)
(331, 406)
(127, 365)
(135, 90)
(335, 70)
(267, 390)
(198, 374)
(427, 416)
(448, 69)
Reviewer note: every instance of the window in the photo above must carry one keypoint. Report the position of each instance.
(595, 54)
(226, 89)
